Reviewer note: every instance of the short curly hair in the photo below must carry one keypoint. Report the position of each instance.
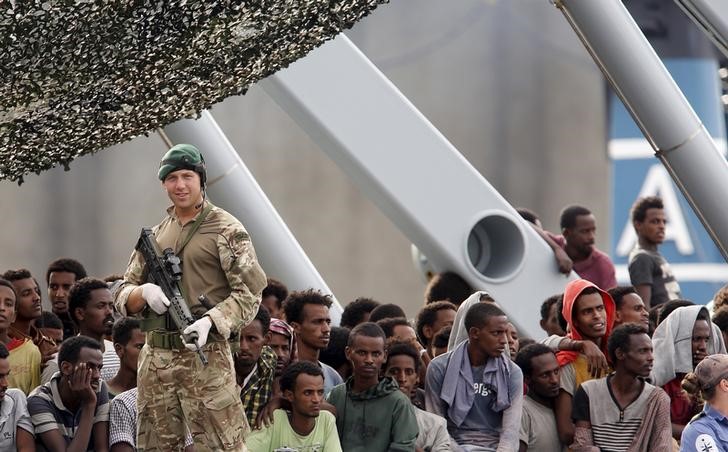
(640, 207)
(620, 339)
(66, 264)
(428, 316)
(277, 289)
(293, 306)
(17, 275)
(80, 293)
(290, 374)
(354, 312)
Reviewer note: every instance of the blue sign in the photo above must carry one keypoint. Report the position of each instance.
(695, 260)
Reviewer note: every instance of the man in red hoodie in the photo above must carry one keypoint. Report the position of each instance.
(589, 313)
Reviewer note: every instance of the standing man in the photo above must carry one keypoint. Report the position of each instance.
(176, 392)
(28, 306)
(578, 233)
(649, 272)
(60, 276)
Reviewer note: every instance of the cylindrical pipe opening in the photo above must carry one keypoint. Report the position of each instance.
(496, 247)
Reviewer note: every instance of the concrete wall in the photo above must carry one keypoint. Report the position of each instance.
(506, 81)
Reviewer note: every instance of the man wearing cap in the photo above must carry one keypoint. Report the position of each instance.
(176, 392)
(708, 431)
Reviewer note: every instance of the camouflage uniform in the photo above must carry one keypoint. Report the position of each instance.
(176, 392)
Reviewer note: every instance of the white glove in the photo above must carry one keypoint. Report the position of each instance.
(202, 328)
(155, 298)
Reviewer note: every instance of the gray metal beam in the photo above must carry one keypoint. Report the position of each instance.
(657, 105)
(417, 178)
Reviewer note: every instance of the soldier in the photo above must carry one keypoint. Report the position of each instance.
(176, 392)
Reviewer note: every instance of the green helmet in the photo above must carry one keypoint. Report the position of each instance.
(183, 156)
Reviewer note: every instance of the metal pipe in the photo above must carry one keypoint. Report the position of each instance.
(232, 186)
(711, 16)
(657, 105)
(417, 178)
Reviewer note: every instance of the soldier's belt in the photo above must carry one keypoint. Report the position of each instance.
(169, 340)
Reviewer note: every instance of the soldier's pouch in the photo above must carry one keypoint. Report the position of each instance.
(225, 417)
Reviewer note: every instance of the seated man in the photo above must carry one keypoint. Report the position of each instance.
(629, 305)
(283, 344)
(16, 429)
(128, 341)
(92, 306)
(622, 411)
(123, 423)
(24, 356)
(541, 374)
(681, 341)
(255, 365)
(476, 387)
(71, 412)
(403, 365)
(589, 313)
(307, 427)
(372, 414)
(432, 318)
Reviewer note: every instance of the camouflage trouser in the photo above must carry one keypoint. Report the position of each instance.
(176, 393)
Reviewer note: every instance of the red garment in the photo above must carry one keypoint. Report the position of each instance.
(597, 268)
(682, 408)
(571, 293)
(15, 343)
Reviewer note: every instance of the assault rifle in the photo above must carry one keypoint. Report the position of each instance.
(164, 270)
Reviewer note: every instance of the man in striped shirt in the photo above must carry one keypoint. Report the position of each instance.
(622, 412)
(71, 412)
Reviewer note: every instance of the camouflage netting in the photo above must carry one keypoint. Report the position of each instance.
(81, 75)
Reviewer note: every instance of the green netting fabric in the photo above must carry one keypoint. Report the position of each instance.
(77, 76)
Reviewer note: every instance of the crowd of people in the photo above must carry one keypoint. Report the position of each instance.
(621, 368)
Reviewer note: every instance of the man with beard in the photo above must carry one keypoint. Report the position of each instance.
(308, 313)
(92, 306)
(282, 342)
(541, 375)
(622, 411)
(255, 365)
(71, 412)
(306, 427)
(589, 314)
(578, 233)
(60, 276)
(25, 357)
